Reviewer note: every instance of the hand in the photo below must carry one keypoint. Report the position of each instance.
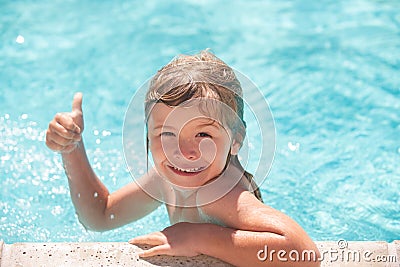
(65, 130)
(177, 240)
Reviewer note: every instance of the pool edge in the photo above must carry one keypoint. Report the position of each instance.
(124, 254)
(1, 250)
(92, 254)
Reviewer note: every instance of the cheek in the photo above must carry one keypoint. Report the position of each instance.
(222, 153)
(163, 146)
(156, 150)
(208, 150)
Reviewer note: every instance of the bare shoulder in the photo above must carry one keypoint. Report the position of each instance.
(146, 184)
(240, 209)
(150, 184)
(229, 208)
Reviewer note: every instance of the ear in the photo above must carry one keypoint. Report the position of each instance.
(235, 147)
(237, 141)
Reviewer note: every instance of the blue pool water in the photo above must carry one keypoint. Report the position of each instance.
(330, 72)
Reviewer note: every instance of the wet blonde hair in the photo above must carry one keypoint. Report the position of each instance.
(202, 75)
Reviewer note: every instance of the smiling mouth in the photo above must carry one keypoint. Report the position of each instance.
(186, 172)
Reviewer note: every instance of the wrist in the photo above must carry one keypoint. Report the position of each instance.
(203, 238)
(73, 149)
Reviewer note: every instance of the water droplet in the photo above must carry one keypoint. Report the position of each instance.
(95, 194)
(79, 195)
(98, 141)
(24, 116)
(96, 132)
(20, 39)
(57, 210)
(106, 133)
(293, 146)
(112, 216)
(6, 157)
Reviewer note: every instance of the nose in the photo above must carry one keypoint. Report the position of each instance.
(189, 148)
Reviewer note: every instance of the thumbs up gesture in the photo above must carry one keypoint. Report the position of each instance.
(65, 130)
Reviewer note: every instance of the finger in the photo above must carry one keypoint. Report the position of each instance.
(56, 128)
(60, 140)
(60, 148)
(146, 241)
(164, 249)
(150, 239)
(67, 122)
(77, 102)
(53, 146)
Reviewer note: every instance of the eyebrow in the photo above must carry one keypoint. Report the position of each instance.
(211, 123)
(163, 126)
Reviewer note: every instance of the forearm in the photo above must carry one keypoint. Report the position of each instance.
(88, 193)
(247, 248)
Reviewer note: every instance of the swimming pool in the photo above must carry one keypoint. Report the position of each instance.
(330, 72)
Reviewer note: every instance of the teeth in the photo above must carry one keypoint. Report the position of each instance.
(187, 170)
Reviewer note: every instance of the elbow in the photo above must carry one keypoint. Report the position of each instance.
(96, 218)
(304, 250)
(94, 225)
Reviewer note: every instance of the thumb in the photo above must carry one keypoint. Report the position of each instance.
(77, 102)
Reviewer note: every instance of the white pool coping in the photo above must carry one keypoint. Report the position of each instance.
(349, 254)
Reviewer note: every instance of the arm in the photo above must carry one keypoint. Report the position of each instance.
(251, 226)
(97, 209)
(254, 231)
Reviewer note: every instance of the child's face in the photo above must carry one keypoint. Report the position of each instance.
(188, 148)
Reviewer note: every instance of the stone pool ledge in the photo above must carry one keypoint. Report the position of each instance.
(124, 254)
